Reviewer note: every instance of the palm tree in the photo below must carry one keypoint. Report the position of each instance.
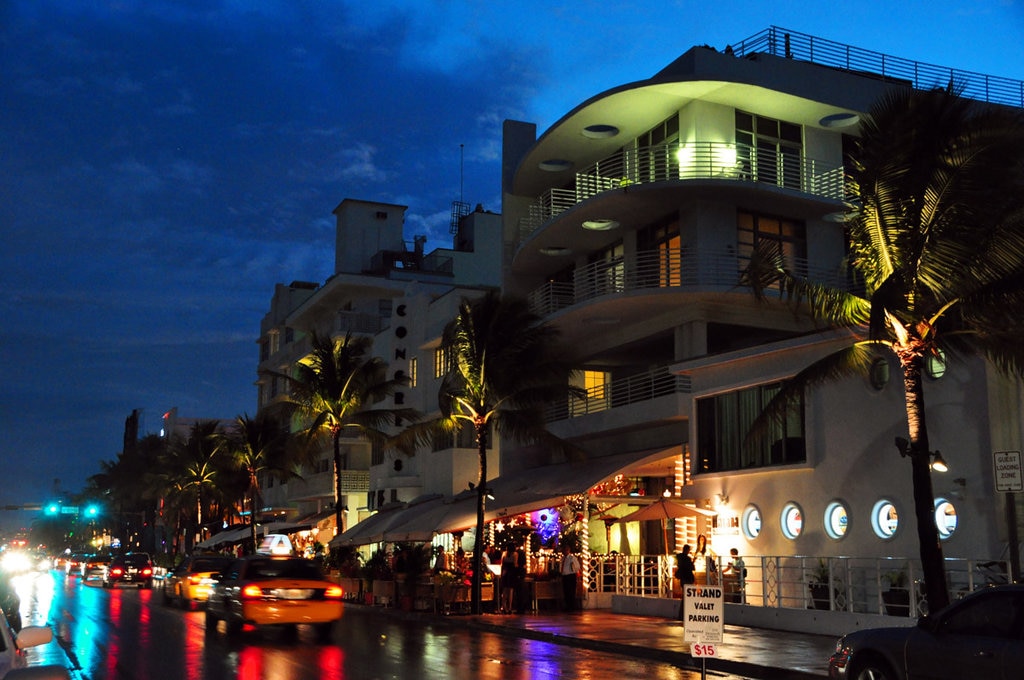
(504, 367)
(192, 466)
(336, 387)
(256, 445)
(936, 244)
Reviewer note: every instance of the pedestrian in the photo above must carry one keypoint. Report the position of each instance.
(509, 579)
(738, 569)
(685, 574)
(570, 577)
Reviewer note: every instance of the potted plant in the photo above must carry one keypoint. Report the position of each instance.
(818, 582)
(378, 575)
(897, 597)
(412, 561)
(347, 561)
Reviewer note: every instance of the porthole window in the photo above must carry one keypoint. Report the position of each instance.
(945, 518)
(879, 374)
(935, 365)
(885, 520)
(750, 524)
(837, 518)
(792, 520)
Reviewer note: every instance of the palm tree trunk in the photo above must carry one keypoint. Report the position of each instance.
(476, 596)
(932, 563)
(337, 481)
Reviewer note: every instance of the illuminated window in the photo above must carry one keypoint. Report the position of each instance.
(754, 231)
(413, 366)
(660, 254)
(750, 523)
(885, 520)
(837, 519)
(792, 520)
(441, 362)
(769, 150)
(945, 518)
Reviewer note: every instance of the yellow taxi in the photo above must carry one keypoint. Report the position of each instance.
(191, 581)
(271, 590)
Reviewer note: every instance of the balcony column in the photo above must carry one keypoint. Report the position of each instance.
(691, 340)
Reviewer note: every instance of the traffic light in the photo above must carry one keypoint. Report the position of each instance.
(52, 509)
(92, 511)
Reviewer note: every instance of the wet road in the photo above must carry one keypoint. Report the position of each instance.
(128, 634)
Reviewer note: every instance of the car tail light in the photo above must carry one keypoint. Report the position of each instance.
(117, 571)
(194, 580)
(252, 592)
(147, 571)
(334, 593)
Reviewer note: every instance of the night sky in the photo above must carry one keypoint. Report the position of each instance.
(164, 164)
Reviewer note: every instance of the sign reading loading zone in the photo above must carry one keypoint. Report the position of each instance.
(703, 614)
(1007, 468)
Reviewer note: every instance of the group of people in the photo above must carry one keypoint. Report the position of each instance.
(512, 595)
(686, 571)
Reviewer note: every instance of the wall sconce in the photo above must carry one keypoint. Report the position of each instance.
(723, 499)
(938, 463)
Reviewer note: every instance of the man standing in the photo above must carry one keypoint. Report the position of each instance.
(570, 575)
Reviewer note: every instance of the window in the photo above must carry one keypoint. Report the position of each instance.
(724, 420)
(885, 520)
(935, 365)
(659, 257)
(598, 393)
(441, 362)
(945, 518)
(837, 519)
(769, 150)
(755, 231)
(751, 522)
(604, 274)
(413, 366)
(792, 520)
(656, 151)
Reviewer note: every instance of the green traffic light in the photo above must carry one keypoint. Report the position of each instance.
(52, 509)
(92, 511)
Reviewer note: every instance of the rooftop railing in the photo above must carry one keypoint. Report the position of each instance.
(687, 161)
(800, 46)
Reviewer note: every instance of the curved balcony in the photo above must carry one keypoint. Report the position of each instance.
(660, 269)
(688, 161)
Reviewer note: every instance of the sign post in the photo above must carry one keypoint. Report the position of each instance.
(703, 621)
(1006, 466)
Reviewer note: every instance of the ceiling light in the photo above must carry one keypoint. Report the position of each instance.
(838, 120)
(599, 131)
(555, 165)
(600, 225)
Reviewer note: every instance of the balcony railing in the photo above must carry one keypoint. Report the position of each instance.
(794, 45)
(660, 269)
(688, 160)
(655, 383)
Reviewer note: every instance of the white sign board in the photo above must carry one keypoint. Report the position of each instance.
(703, 614)
(1007, 468)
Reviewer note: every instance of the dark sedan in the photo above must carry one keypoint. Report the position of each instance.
(980, 636)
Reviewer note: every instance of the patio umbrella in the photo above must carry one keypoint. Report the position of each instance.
(663, 509)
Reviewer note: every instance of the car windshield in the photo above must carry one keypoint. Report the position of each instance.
(268, 569)
(136, 560)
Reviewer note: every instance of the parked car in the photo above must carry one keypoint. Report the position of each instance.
(133, 567)
(94, 566)
(979, 636)
(266, 590)
(13, 644)
(192, 580)
(10, 602)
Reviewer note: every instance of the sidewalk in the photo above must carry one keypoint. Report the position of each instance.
(749, 652)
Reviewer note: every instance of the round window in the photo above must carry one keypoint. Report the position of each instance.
(751, 522)
(837, 519)
(884, 519)
(792, 519)
(945, 518)
(935, 365)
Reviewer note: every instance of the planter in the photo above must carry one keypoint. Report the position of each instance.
(897, 601)
(819, 596)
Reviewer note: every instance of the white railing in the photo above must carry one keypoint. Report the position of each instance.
(659, 269)
(888, 585)
(658, 382)
(687, 161)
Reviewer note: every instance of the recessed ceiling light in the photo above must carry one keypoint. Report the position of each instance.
(599, 131)
(838, 120)
(600, 225)
(555, 164)
(555, 250)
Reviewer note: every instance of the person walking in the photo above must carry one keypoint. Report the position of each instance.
(570, 577)
(685, 574)
(509, 579)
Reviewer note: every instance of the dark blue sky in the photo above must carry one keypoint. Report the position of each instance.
(164, 164)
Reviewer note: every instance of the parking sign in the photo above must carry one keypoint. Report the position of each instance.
(703, 614)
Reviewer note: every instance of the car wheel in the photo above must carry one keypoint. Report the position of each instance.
(872, 667)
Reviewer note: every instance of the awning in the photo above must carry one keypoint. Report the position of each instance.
(438, 516)
(370, 530)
